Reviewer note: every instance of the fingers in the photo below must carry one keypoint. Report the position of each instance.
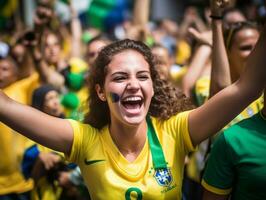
(222, 3)
(49, 160)
(194, 33)
(203, 38)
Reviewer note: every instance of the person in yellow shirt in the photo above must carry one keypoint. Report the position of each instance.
(42, 164)
(135, 138)
(12, 183)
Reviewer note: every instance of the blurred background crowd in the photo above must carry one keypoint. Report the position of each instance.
(48, 46)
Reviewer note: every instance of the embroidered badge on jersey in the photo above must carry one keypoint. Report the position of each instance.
(163, 177)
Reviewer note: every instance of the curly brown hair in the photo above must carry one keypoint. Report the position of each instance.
(166, 102)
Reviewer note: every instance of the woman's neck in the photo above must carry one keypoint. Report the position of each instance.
(130, 140)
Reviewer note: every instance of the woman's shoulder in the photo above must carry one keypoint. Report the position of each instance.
(82, 127)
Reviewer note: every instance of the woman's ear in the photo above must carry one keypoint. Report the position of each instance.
(100, 92)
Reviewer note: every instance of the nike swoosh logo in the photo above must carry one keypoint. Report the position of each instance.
(90, 162)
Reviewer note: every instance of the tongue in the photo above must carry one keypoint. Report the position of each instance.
(131, 106)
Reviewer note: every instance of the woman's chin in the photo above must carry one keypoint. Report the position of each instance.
(134, 120)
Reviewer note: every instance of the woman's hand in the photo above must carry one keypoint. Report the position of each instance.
(201, 37)
(49, 160)
(218, 6)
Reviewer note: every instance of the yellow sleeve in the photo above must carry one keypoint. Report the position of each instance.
(78, 134)
(177, 126)
(83, 139)
(183, 127)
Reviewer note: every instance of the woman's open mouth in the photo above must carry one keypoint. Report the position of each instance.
(132, 104)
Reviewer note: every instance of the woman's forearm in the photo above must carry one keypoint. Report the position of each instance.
(55, 133)
(220, 71)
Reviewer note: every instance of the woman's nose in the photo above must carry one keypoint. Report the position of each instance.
(133, 83)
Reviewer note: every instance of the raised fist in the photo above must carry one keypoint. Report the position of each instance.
(218, 6)
(222, 3)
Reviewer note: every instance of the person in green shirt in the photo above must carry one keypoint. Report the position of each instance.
(237, 164)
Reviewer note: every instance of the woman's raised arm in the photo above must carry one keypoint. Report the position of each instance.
(220, 71)
(225, 105)
(44, 129)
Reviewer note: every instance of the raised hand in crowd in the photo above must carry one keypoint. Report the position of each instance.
(218, 6)
(200, 61)
(204, 37)
(220, 74)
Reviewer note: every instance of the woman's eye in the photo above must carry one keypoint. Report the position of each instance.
(119, 78)
(143, 77)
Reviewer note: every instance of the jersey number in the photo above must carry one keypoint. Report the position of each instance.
(133, 189)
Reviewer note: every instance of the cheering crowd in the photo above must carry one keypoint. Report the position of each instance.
(147, 110)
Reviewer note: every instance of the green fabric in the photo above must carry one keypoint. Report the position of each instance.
(77, 115)
(98, 11)
(75, 81)
(86, 37)
(238, 160)
(70, 100)
(3, 22)
(149, 41)
(65, 1)
(156, 148)
(3, 4)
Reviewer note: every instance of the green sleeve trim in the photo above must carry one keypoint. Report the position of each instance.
(214, 189)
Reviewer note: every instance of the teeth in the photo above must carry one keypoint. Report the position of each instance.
(133, 99)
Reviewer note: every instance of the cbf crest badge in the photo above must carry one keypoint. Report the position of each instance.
(163, 177)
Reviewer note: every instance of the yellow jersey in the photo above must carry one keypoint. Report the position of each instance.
(12, 144)
(108, 175)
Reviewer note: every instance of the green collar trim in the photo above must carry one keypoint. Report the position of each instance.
(156, 148)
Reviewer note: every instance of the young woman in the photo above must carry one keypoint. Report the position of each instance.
(135, 139)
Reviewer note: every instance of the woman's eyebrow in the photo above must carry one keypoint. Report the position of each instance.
(143, 71)
(119, 73)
